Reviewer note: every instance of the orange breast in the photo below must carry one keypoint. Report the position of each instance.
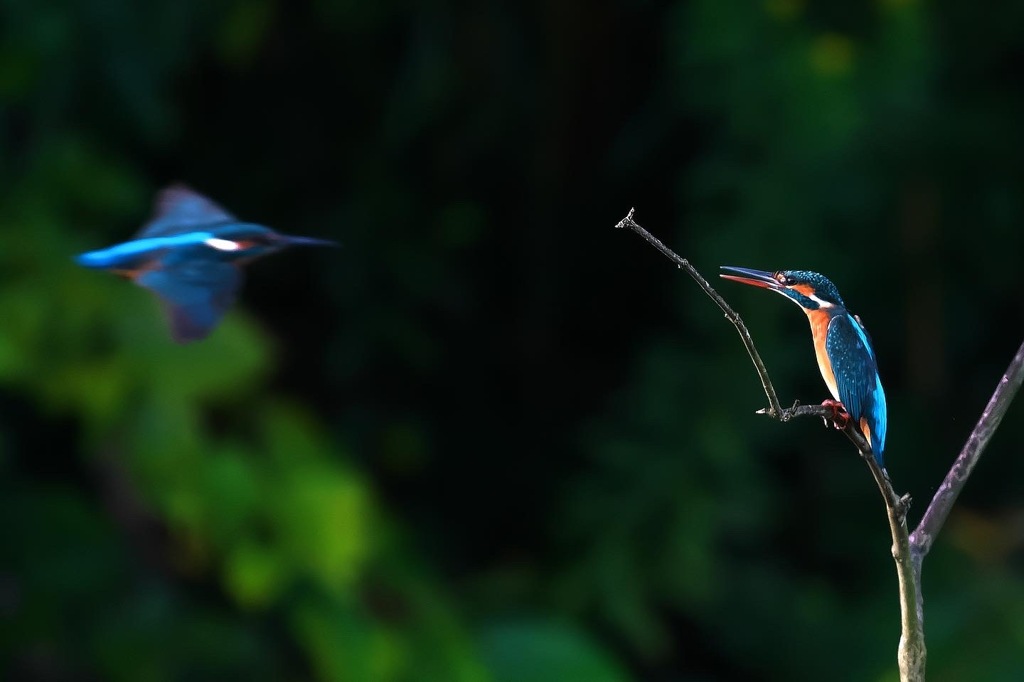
(819, 320)
(138, 270)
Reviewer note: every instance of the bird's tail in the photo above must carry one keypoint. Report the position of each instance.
(873, 438)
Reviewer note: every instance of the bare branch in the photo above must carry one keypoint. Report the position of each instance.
(774, 408)
(935, 516)
(826, 414)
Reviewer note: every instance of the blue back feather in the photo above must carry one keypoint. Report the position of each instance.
(856, 371)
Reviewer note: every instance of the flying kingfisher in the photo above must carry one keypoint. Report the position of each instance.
(845, 355)
(189, 254)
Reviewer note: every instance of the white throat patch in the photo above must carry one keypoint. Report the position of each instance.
(222, 244)
(821, 303)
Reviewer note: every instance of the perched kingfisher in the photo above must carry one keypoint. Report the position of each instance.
(845, 355)
(189, 254)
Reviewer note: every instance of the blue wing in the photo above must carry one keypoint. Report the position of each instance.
(195, 294)
(179, 209)
(134, 255)
(856, 371)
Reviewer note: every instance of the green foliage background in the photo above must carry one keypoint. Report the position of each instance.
(492, 438)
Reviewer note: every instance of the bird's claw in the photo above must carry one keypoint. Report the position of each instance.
(840, 417)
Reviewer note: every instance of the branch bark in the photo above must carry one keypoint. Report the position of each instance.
(911, 653)
(941, 504)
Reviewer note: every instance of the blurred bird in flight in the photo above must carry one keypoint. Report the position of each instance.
(190, 255)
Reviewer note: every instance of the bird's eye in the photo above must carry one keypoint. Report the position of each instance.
(784, 279)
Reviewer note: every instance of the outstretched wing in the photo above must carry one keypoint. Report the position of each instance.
(179, 209)
(860, 389)
(194, 293)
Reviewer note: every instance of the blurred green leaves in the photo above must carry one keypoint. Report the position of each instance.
(545, 651)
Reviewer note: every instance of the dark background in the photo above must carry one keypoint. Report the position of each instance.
(492, 438)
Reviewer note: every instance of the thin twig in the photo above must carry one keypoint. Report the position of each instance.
(941, 504)
(911, 652)
(774, 408)
(827, 414)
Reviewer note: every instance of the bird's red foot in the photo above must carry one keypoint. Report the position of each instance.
(840, 417)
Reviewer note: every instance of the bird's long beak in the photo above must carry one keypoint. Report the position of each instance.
(755, 278)
(305, 241)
